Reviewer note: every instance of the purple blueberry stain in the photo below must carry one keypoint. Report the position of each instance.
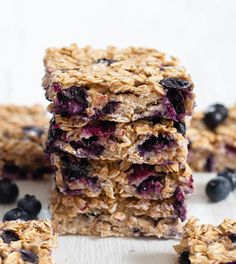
(100, 129)
(140, 172)
(179, 205)
(155, 144)
(88, 147)
(71, 101)
(79, 172)
(150, 186)
(110, 108)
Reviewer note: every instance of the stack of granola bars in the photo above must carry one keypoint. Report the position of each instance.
(117, 141)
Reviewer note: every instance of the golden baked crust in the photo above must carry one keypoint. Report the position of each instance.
(33, 236)
(103, 216)
(208, 244)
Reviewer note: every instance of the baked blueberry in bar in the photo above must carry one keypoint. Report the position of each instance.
(26, 242)
(208, 244)
(103, 216)
(120, 85)
(22, 141)
(94, 177)
(138, 142)
(212, 137)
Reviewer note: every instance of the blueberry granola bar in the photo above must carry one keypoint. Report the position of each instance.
(22, 141)
(207, 244)
(139, 141)
(117, 141)
(104, 216)
(212, 148)
(120, 85)
(92, 178)
(26, 242)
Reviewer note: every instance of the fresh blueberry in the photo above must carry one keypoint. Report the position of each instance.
(33, 131)
(30, 205)
(175, 83)
(105, 61)
(29, 256)
(230, 175)
(184, 258)
(8, 191)
(8, 236)
(16, 214)
(181, 127)
(215, 115)
(218, 189)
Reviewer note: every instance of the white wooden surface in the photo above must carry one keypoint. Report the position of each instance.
(92, 250)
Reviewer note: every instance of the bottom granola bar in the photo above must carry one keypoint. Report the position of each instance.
(208, 244)
(103, 216)
(26, 242)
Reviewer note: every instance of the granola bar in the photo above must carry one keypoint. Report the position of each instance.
(26, 242)
(92, 178)
(120, 85)
(22, 140)
(138, 142)
(212, 149)
(208, 244)
(103, 216)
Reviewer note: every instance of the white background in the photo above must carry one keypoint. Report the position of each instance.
(202, 33)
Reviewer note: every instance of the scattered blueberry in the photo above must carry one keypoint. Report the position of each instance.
(175, 83)
(16, 214)
(8, 191)
(8, 236)
(105, 61)
(33, 131)
(30, 205)
(230, 175)
(29, 256)
(184, 258)
(215, 115)
(181, 127)
(218, 189)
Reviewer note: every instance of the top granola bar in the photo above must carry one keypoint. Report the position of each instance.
(119, 85)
